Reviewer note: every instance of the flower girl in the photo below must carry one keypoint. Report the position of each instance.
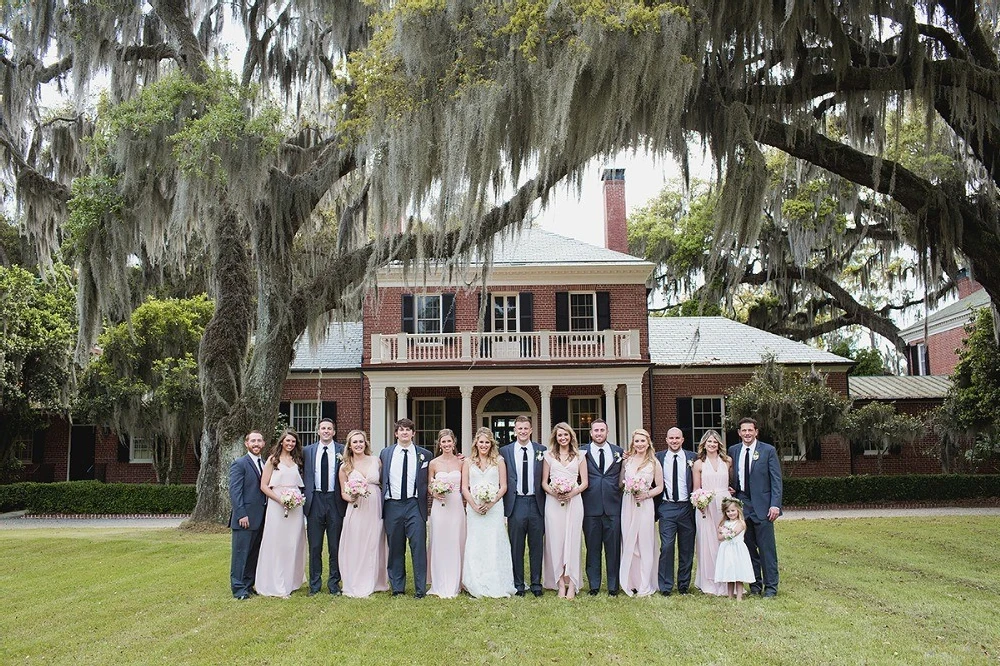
(732, 564)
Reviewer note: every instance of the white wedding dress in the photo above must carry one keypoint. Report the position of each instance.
(487, 570)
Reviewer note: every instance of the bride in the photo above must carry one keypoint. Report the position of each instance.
(487, 570)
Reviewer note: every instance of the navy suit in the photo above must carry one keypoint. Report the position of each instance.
(406, 520)
(602, 517)
(677, 526)
(525, 516)
(324, 516)
(765, 492)
(248, 502)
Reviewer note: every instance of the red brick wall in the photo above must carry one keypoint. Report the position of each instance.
(347, 390)
(942, 350)
(615, 230)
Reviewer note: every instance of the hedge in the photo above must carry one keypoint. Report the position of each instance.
(97, 497)
(802, 491)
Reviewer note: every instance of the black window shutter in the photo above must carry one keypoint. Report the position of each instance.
(562, 310)
(684, 423)
(526, 302)
(927, 360)
(453, 419)
(328, 410)
(603, 310)
(814, 450)
(560, 414)
(124, 455)
(487, 313)
(911, 359)
(285, 410)
(409, 323)
(447, 313)
(38, 447)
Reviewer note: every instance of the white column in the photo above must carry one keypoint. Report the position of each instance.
(467, 429)
(401, 393)
(634, 405)
(609, 399)
(545, 427)
(376, 418)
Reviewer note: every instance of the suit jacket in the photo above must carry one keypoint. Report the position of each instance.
(309, 474)
(245, 494)
(765, 477)
(603, 495)
(508, 457)
(689, 458)
(424, 459)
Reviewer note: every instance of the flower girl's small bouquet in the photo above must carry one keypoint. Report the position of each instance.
(727, 532)
(440, 487)
(635, 486)
(562, 486)
(484, 493)
(291, 499)
(358, 489)
(701, 498)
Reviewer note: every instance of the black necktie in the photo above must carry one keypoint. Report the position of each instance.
(260, 467)
(674, 479)
(746, 470)
(524, 471)
(324, 470)
(404, 489)
(600, 460)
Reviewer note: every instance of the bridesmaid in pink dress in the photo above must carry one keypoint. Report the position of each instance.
(711, 472)
(363, 551)
(281, 566)
(640, 543)
(446, 525)
(563, 512)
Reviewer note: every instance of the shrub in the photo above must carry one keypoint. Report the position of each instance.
(97, 497)
(802, 491)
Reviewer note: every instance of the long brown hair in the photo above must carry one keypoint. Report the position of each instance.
(348, 463)
(275, 455)
(445, 432)
(702, 453)
(574, 445)
(494, 453)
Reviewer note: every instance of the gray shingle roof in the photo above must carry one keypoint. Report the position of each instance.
(533, 245)
(977, 299)
(341, 349)
(898, 388)
(717, 341)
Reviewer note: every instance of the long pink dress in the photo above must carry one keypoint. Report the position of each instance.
(363, 550)
(640, 547)
(446, 545)
(707, 544)
(281, 566)
(563, 529)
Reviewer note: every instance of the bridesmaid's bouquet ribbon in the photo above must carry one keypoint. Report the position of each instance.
(635, 486)
(291, 499)
(357, 489)
(701, 498)
(441, 487)
(562, 487)
(484, 493)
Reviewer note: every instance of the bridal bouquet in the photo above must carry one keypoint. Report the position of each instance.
(727, 532)
(291, 498)
(440, 487)
(484, 493)
(562, 487)
(357, 489)
(701, 498)
(636, 485)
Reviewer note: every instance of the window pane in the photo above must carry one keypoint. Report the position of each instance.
(428, 311)
(706, 414)
(305, 419)
(142, 450)
(581, 312)
(582, 412)
(22, 450)
(428, 416)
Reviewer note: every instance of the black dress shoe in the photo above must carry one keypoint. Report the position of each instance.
(313, 593)
(537, 593)
(612, 593)
(682, 590)
(754, 589)
(665, 593)
(519, 593)
(770, 595)
(253, 592)
(335, 592)
(397, 594)
(419, 595)
(593, 593)
(243, 597)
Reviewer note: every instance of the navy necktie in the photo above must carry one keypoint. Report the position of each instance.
(324, 471)
(260, 467)
(600, 460)
(674, 478)
(404, 488)
(524, 471)
(746, 470)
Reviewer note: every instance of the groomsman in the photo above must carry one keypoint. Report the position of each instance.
(404, 513)
(524, 504)
(757, 479)
(602, 507)
(325, 508)
(247, 519)
(676, 515)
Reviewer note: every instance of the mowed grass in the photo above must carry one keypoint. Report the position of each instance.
(857, 591)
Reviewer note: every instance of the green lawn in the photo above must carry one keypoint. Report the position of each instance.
(904, 591)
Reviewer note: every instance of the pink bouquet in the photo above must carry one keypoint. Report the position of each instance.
(635, 486)
(440, 487)
(291, 498)
(358, 489)
(562, 487)
(701, 498)
(727, 532)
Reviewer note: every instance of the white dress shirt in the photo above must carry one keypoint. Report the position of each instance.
(742, 456)
(519, 450)
(257, 462)
(331, 465)
(595, 452)
(396, 472)
(668, 476)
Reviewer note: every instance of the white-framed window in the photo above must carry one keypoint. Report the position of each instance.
(140, 450)
(922, 359)
(428, 417)
(504, 312)
(583, 311)
(582, 412)
(427, 312)
(304, 419)
(707, 413)
(22, 450)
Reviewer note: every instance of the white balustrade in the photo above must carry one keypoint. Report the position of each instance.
(502, 347)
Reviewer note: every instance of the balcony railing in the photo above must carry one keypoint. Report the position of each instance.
(469, 347)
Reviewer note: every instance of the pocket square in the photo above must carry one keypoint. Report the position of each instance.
(424, 465)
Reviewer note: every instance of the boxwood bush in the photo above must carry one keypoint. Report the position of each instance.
(97, 497)
(803, 491)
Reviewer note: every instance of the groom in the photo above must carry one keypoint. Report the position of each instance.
(247, 520)
(325, 508)
(602, 507)
(404, 513)
(524, 504)
(757, 479)
(676, 515)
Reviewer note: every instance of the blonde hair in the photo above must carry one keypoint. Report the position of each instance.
(348, 463)
(574, 446)
(494, 453)
(649, 458)
(445, 432)
(728, 502)
(702, 454)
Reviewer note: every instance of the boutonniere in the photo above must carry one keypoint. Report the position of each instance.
(691, 464)
(421, 457)
(539, 456)
(618, 457)
(756, 455)
(339, 457)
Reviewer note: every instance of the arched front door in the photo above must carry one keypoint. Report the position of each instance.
(500, 411)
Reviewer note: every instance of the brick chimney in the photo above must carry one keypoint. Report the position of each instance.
(615, 232)
(966, 285)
